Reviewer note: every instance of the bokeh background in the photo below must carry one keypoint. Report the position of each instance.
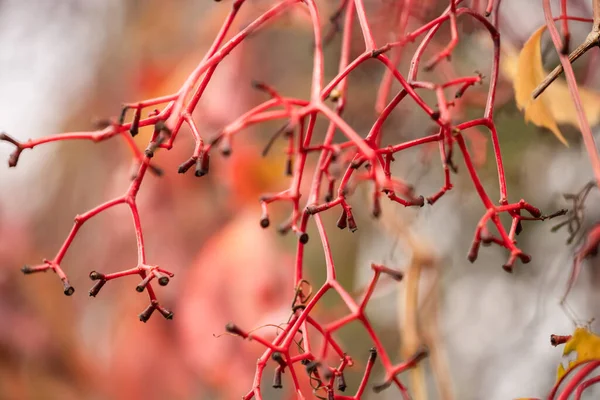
(64, 64)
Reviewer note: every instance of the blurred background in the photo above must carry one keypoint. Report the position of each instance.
(65, 64)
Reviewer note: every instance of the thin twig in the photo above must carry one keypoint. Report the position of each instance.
(592, 40)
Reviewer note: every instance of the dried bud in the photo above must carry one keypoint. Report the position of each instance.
(95, 275)
(278, 358)
(142, 285)
(163, 280)
(202, 164)
(519, 228)
(330, 189)
(302, 237)
(123, 114)
(225, 146)
(147, 313)
(357, 162)
(149, 152)
(376, 207)
(525, 258)
(68, 289)
(14, 157)
(264, 222)
(508, 267)
(419, 201)
(419, 355)
(135, 125)
(156, 170)
(26, 269)
(277, 379)
(351, 222)
(341, 383)
(164, 312)
(258, 85)
(381, 387)
(342, 222)
(312, 366)
(96, 288)
(235, 330)
(161, 127)
(472, 255)
(394, 274)
(312, 209)
(284, 228)
(377, 52)
(184, 167)
(555, 340)
(372, 354)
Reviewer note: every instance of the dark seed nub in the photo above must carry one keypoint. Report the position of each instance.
(312, 366)
(351, 223)
(163, 281)
(96, 288)
(264, 222)
(202, 165)
(165, 313)
(69, 290)
(147, 313)
(278, 358)
(225, 149)
(135, 124)
(342, 222)
(95, 275)
(184, 167)
(372, 354)
(234, 329)
(277, 380)
(303, 238)
(123, 113)
(394, 274)
(381, 387)
(341, 383)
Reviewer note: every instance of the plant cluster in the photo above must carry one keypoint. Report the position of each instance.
(342, 164)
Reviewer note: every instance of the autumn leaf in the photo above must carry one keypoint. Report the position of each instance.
(554, 106)
(586, 346)
(530, 72)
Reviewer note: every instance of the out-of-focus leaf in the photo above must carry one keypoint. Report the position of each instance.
(153, 368)
(249, 175)
(238, 276)
(554, 106)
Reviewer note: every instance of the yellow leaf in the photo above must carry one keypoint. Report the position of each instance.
(585, 344)
(554, 106)
(530, 72)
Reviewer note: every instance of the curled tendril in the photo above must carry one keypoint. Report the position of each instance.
(576, 215)
(300, 296)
